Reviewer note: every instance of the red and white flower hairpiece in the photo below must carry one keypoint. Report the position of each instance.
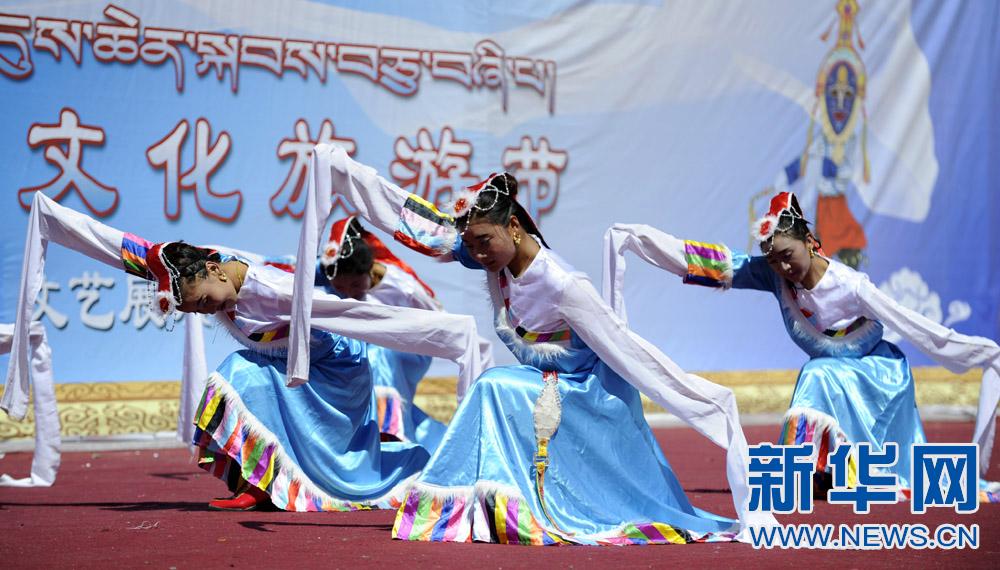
(783, 203)
(166, 298)
(468, 198)
(341, 243)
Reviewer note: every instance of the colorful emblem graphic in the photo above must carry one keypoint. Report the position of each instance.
(832, 144)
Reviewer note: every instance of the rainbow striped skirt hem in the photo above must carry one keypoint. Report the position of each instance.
(804, 425)
(498, 514)
(390, 413)
(233, 446)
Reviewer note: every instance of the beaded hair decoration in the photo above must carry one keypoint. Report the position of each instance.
(774, 222)
(164, 284)
(482, 196)
(343, 234)
(166, 277)
(164, 288)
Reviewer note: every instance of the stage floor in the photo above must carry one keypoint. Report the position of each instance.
(132, 509)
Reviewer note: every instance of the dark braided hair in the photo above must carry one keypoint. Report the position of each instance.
(360, 258)
(504, 207)
(189, 263)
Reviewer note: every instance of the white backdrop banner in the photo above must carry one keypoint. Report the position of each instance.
(194, 120)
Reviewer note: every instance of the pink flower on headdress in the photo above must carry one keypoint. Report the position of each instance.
(460, 205)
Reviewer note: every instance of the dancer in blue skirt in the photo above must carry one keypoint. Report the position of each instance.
(555, 450)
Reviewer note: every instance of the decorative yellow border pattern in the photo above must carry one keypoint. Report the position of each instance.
(757, 391)
(107, 408)
(116, 408)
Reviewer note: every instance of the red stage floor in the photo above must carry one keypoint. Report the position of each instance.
(147, 509)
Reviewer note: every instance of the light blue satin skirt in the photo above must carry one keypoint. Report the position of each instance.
(313, 447)
(871, 398)
(607, 481)
(396, 376)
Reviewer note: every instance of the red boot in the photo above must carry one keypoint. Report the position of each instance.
(248, 500)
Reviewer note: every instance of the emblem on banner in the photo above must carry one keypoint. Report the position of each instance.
(832, 142)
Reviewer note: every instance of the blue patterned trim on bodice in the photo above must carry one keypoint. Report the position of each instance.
(851, 344)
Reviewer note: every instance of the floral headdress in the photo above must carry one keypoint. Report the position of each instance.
(167, 278)
(341, 244)
(772, 222)
(468, 198)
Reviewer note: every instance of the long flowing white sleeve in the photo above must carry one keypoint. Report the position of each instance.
(49, 222)
(376, 200)
(194, 374)
(432, 333)
(707, 407)
(48, 443)
(706, 264)
(410, 293)
(955, 351)
(650, 244)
